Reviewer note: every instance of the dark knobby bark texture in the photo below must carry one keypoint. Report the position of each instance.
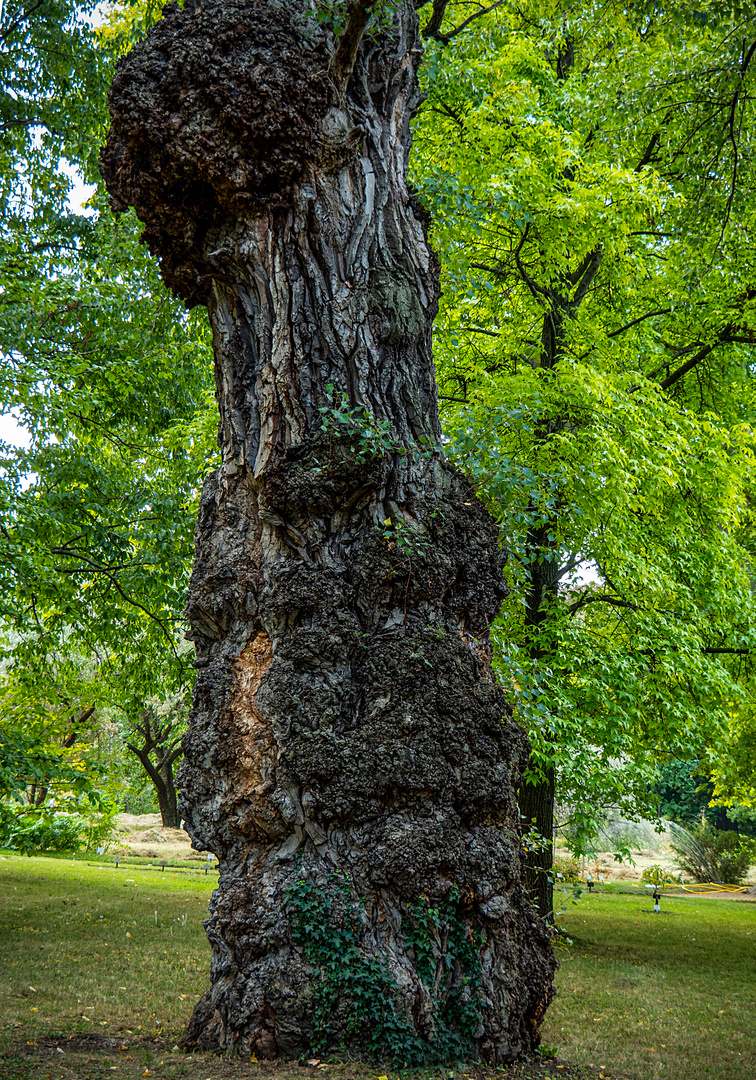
(347, 759)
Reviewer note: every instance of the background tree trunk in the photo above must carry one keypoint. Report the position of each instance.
(537, 809)
(537, 798)
(346, 759)
(159, 739)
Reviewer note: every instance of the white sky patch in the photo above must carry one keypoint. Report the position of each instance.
(585, 573)
(80, 192)
(11, 431)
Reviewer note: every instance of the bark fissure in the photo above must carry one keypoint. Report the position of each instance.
(346, 725)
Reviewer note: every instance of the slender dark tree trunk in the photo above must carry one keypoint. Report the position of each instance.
(168, 800)
(537, 796)
(350, 758)
(537, 809)
(562, 298)
(158, 739)
(165, 789)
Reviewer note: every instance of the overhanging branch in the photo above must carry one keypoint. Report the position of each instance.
(433, 29)
(349, 42)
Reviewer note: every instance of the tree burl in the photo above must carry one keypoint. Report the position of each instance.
(350, 758)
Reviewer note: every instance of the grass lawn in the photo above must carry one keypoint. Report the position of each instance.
(671, 995)
(107, 964)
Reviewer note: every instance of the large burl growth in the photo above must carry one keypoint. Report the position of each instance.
(350, 758)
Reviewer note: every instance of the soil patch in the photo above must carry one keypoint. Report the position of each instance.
(86, 1056)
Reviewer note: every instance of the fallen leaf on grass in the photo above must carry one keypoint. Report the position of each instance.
(34, 1009)
(30, 1043)
(128, 934)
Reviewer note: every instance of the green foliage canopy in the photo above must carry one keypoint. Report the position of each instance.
(111, 379)
(589, 171)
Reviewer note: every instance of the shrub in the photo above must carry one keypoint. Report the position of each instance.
(28, 829)
(656, 875)
(49, 833)
(568, 868)
(708, 854)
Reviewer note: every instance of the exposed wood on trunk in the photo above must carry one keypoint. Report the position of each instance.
(346, 729)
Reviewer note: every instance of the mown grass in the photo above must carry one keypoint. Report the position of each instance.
(108, 950)
(91, 955)
(671, 995)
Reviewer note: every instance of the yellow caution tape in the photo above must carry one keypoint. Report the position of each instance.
(713, 886)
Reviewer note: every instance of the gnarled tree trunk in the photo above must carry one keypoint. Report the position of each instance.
(350, 758)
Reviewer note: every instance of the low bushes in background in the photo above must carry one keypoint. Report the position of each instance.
(708, 854)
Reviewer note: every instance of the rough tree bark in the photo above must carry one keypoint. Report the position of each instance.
(346, 748)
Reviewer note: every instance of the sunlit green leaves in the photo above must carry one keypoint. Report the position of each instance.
(112, 380)
(589, 173)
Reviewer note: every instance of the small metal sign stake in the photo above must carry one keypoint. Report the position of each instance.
(657, 897)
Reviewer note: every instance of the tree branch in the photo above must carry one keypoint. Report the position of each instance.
(496, 270)
(434, 23)
(675, 376)
(73, 735)
(21, 19)
(734, 652)
(613, 601)
(433, 28)
(149, 768)
(640, 319)
(349, 42)
(747, 56)
(134, 603)
(536, 290)
(587, 278)
(648, 152)
(473, 329)
(175, 754)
